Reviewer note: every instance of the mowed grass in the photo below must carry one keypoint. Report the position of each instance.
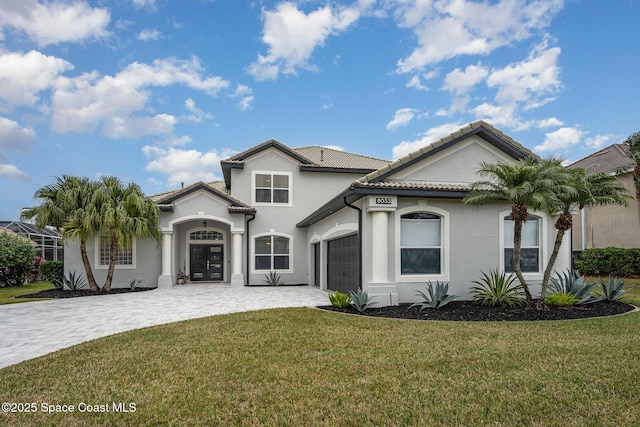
(307, 367)
(8, 294)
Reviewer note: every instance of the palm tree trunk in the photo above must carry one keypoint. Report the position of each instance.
(552, 261)
(112, 264)
(93, 285)
(517, 247)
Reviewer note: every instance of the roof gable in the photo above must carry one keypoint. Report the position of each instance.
(480, 128)
(608, 160)
(165, 201)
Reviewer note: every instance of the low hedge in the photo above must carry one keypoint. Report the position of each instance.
(51, 271)
(619, 262)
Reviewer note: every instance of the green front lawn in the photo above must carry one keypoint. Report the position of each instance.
(7, 294)
(307, 367)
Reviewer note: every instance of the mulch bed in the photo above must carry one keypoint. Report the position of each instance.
(59, 293)
(468, 311)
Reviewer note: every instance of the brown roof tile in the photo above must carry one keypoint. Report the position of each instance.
(608, 160)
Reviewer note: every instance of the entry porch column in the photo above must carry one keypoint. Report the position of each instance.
(381, 290)
(237, 278)
(166, 278)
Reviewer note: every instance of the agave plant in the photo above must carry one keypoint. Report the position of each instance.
(361, 300)
(73, 283)
(613, 291)
(340, 299)
(571, 282)
(434, 298)
(273, 278)
(496, 288)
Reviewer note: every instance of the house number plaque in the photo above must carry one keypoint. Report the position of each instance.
(383, 201)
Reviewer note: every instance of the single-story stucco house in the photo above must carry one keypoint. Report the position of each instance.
(612, 225)
(338, 221)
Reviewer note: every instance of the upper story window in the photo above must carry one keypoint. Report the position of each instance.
(272, 188)
(530, 253)
(420, 243)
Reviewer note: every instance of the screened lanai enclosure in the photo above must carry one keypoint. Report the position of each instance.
(48, 242)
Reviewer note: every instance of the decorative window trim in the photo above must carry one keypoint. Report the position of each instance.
(445, 258)
(253, 252)
(542, 243)
(289, 176)
(99, 266)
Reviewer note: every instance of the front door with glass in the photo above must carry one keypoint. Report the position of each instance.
(206, 263)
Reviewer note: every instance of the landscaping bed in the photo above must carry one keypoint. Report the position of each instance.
(59, 293)
(469, 311)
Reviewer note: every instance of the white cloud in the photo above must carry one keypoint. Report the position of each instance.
(149, 34)
(551, 122)
(54, 22)
(292, 37)
(197, 115)
(90, 101)
(599, 141)
(24, 75)
(502, 115)
(14, 137)
(526, 81)
(460, 82)
(560, 139)
(402, 117)
(244, 94)
(13, 172)
(428, 137)
(186, 166)
(145, 4)
(446, 29)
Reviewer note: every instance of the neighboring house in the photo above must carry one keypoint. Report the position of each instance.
(606, 226)
(48, 242)
(338, 221)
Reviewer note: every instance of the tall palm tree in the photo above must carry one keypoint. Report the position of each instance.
(527, 184)
(589, 190)
(66, 205)
(124, 213)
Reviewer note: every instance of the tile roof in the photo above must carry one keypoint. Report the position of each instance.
(417, 185)
(328, 157)
(218, 185)
(608, 160)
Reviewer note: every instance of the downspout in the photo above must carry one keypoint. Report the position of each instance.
(583, 222)
(359, 238)
(248, 270)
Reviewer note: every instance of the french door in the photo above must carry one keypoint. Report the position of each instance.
(206, 263)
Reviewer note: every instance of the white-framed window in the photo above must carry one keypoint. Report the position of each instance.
(531, 253)
(272, 252)
(271, 188)
(422, 244)
(125, 256)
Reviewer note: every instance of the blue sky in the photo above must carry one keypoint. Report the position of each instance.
(159, 91)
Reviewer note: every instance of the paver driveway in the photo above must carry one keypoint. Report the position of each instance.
(36, 328)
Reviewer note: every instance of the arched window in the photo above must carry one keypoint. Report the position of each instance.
(272, 252)
(206, 235)
(420, 243)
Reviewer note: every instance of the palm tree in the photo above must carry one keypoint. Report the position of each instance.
(589, 190)
(66, 205)
(527, 184)
(124, 213)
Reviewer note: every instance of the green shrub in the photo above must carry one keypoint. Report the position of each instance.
(496, 288)
(51, 271)
(608, 262)
(339, 299)
(273, 278)
(571, 282)
(17, 258)
(561, 300)
(612, 291)
(361, 300)
(434, 298)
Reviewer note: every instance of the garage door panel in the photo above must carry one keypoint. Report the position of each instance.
(343, 269)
